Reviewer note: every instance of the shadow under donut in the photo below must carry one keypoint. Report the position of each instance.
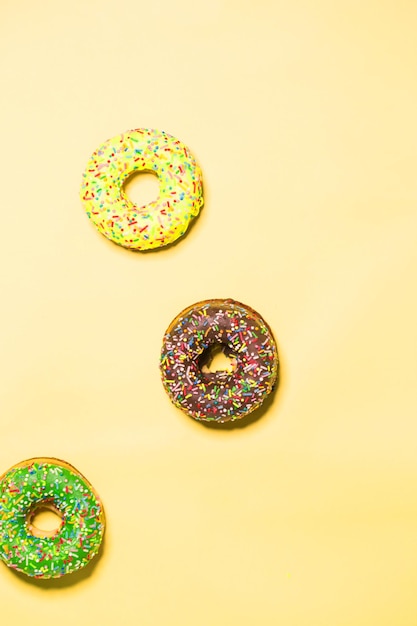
(253, 417)
(191, 226)
(68, 580)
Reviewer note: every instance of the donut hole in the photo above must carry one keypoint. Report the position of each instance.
(141, 188)
(217, 358)
(44, 519)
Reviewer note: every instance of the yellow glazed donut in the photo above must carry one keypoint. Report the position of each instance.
(158, 223)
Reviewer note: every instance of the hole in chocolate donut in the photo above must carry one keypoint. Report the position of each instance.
(217, 358)
(44, 519)
(141, 188)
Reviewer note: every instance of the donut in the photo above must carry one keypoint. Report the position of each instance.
(48, 483)
(243, 336)
(158, 223)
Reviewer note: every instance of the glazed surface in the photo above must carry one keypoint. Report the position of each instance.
(158, 223)
(220, 396)
(78, 539)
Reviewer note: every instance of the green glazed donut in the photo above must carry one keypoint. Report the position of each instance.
(48, 483)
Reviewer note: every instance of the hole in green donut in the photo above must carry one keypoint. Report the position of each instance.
(44, 519)
(217, 358)
(141, 188)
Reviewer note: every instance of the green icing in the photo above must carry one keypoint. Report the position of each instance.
(79, 536)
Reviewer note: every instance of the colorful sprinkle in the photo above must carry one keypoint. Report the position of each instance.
(219, 396)
(51, 482)
(158, 223)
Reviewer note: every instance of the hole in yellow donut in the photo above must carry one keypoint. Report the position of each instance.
(141, 188)
(216, 359)
(44, 519)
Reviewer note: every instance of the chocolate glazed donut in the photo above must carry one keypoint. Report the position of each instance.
(243, 335)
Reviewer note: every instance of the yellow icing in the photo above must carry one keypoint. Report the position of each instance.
(158, 223)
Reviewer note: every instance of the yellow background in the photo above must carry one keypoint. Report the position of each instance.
(302, 117)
